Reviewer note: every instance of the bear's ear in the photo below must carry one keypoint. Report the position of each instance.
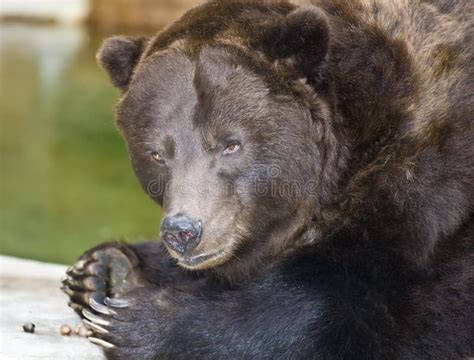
(303, 35)
(119, 55)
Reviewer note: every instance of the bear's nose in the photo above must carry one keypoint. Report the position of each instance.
(181, 233)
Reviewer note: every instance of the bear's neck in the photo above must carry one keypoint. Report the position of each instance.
(372, 83)
(394, 175)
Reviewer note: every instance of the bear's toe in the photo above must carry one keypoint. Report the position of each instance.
(106, 271)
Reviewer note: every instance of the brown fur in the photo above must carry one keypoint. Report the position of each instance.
(368, 100)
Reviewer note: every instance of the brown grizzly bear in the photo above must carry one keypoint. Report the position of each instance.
(315, 166)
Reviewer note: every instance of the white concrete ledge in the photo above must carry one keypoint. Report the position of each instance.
(29, 293)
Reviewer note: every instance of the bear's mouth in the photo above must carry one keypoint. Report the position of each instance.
(198, 261)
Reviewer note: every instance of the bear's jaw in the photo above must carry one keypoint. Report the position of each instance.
(201, 261)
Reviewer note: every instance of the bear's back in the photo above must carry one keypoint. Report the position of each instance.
(437, 37)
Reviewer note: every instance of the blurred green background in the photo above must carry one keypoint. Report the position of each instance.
(66, 183)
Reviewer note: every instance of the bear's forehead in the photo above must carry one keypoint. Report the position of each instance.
(174, 89)
(219, 19)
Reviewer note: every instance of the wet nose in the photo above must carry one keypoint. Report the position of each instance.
(181, 233)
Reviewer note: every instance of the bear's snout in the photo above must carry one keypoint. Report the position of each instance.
(181, 233)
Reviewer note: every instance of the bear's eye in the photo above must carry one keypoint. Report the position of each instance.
(156, 156)
(231, 148)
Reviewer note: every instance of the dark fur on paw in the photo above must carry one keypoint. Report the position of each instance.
(125, 327)
(107, 270)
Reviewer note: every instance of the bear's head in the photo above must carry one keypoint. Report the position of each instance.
(228, 122)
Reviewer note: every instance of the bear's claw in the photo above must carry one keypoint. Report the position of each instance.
(94, 327)
(102, 309)
(117, 303)
(95, 318)
(100, 342)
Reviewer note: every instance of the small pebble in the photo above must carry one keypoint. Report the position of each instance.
(81, 330)
(65, 330)
(29, 328)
